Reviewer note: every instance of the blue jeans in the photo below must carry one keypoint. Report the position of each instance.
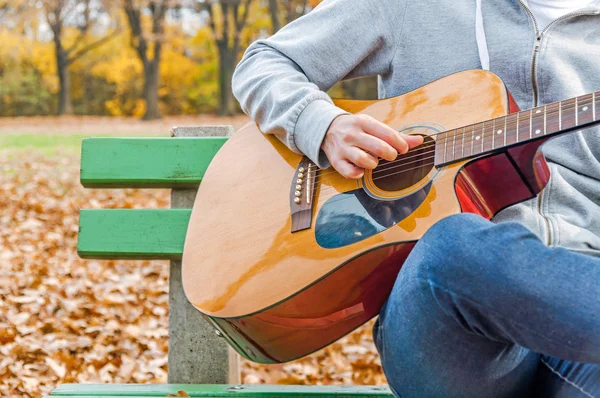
(486, 310)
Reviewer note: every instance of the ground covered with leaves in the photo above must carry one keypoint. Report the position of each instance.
(68, 320)
(103, 125)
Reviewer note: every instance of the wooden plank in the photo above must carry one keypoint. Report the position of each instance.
(218, 390)
(132, 234)
(146, 162)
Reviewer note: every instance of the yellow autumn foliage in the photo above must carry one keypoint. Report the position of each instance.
(108, 80)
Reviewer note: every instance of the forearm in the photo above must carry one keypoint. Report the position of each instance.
(275, 92)
(281, 82)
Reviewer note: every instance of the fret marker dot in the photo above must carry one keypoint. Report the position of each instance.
(538, 111)
(538, 131)
(585, 108)
(499, 132)
(478, 137)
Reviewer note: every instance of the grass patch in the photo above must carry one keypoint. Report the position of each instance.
(14, 141)
(44, 143)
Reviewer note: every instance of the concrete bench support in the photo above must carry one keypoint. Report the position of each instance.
(196, 354)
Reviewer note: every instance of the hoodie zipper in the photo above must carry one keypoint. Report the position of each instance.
(534, 83)
(538, 42)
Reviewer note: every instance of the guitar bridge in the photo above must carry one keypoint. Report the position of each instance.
(302, 193)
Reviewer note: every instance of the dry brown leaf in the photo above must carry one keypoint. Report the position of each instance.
(180, 393)
(68, 320)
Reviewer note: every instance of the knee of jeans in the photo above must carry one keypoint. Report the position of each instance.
(449, 249)
(456, 227)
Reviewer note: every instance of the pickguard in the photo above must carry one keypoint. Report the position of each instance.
(352, 216)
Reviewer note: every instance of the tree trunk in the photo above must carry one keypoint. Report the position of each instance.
(151, 82)
(227, 57)
(65, 103)
(274, 11)
(363, 88)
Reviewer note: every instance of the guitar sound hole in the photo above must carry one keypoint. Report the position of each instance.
(407, 169)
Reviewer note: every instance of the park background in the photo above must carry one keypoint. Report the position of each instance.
(71, 69)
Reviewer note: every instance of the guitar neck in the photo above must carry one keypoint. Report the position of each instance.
(517, 128)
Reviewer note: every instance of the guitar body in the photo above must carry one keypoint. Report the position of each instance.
(277, 295)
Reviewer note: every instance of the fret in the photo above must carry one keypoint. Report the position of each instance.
(487, 136)
(545, 125)
(537, 122)
(451, 137)
(568, 114)
(505, 126)
(462, 144)
(453, 144)
(585, 107)
(493, 134)
(530, 124)
(445, 140)
(439, 152)
(524, 127)
(552, 118)
(473, 140)
(456, 144)
(466, 142)
(560, 116)
(510, 135)
(448, 154)
(479, 138)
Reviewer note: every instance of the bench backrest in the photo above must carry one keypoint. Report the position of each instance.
(196, 353)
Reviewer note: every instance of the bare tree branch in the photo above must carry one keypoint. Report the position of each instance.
(93, 45)
(240, 24)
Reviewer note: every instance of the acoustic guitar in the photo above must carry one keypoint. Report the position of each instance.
(283, 258)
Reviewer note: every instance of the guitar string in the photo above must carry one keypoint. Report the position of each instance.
(328, 188)
(331, 188)
(575, 105)
(402, 158)
(552, 112)
(511, 125)
(402, 164)
(484, 141)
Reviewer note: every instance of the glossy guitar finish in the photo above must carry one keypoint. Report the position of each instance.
(277, 295)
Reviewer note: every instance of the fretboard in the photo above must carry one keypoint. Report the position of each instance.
(517, 128)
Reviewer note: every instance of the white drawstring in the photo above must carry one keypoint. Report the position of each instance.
(484, 55)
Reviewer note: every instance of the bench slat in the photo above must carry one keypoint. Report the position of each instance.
(218, 390)
(146, 162)
(132, 234)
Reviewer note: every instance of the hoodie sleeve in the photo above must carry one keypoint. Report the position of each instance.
(281, 82)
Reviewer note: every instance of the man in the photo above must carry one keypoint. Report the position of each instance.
(480, 309)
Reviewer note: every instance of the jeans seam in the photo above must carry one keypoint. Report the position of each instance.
(565, 379)
(432, 284)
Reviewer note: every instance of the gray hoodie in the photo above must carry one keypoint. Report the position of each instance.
(281, 84)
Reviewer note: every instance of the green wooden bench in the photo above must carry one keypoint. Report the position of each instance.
(217, 390)
(200, 362)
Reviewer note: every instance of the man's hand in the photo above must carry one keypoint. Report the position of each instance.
(355, 143)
